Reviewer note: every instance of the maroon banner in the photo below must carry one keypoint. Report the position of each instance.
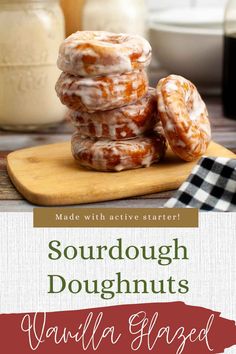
(161, 328)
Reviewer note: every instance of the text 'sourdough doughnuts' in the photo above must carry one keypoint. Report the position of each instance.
(121, 123)
(110, 155)
(184, 117)
(101, 93)
(89, 53)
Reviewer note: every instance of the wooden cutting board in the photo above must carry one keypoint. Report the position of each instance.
(48, 175)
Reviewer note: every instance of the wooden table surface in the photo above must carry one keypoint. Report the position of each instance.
(224, 132)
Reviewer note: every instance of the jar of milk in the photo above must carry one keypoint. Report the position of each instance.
(31, 32)
(127, 16)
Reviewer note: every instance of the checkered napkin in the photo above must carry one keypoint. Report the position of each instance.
(210, 187)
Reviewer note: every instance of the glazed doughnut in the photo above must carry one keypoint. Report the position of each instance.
(121, 123)
(87, 53)
(184, 117)
(101, 93)
(108, 155)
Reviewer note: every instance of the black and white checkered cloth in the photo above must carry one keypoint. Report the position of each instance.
(210, 187)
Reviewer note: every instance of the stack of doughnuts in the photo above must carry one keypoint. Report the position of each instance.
(105, 85)
(121, 123)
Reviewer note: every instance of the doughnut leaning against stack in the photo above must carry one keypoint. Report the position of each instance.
(105, 85)
(120, 122)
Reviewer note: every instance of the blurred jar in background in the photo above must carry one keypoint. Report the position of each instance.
(115, 16)
(229, 72)
(73, 12)
(30, 34)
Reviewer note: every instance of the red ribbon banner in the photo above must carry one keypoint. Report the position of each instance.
(160, 328)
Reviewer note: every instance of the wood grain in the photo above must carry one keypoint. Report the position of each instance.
(48, 175)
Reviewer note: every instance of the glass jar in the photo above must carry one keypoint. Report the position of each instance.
(229, 72)
(30, 34)
(127, 16)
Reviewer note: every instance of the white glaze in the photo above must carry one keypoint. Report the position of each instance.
(170, 126)
(170, 86)
(113, 57)
(125, 122)
(199, 107)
